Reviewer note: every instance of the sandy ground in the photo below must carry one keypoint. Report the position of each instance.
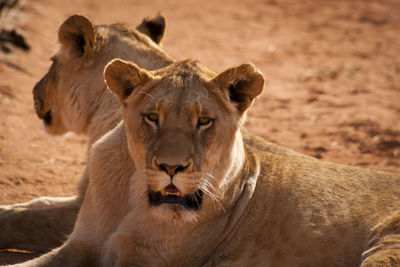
(332, 68)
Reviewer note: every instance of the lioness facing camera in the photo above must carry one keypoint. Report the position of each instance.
(176, 184)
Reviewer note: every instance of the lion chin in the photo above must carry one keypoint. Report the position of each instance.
(172, 205)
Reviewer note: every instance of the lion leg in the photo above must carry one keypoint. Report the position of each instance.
(38, 225)
(38, 203)
(384, 245)
(72, 254)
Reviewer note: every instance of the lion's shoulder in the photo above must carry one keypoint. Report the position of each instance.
(110, 151)
(262, 145)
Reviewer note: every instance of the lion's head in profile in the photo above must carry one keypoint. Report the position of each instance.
(72, 90)
(182, 124)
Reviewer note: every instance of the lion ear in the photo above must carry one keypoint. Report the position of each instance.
(242, 84)
(122, 77)
(153, 27)
(77, 34)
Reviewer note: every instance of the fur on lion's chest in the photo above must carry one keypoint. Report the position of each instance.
(127, 250)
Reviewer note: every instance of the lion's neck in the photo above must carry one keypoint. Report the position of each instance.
(242, 190)
(105, 116)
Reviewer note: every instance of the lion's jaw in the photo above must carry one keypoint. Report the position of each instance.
(190, 197)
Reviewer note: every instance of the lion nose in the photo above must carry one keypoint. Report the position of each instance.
(171, 170)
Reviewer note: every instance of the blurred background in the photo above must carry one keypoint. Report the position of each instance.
(332, 69)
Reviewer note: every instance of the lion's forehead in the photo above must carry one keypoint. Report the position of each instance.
(182, 100)
(184, 91)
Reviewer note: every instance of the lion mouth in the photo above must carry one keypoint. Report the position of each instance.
(47, 118)
(171, 195)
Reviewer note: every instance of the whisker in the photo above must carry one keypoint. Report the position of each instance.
(216, 200)
(209, 175)
(209, 189)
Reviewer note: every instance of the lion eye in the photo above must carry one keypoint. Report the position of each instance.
(204, 121)
(151, 117)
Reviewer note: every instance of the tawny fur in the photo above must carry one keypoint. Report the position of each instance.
(74, 93)
(265, 207)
